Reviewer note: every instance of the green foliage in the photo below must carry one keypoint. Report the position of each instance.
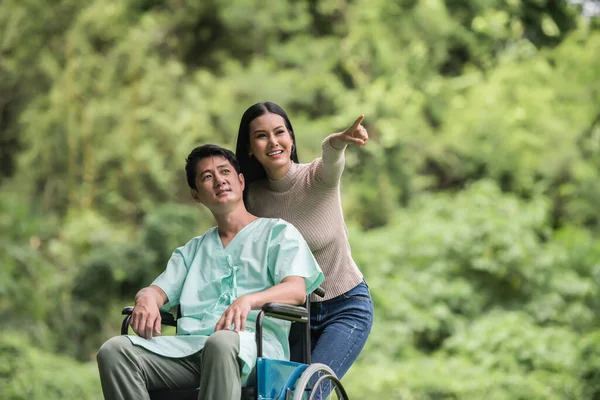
(482, 299)
(27, 373)
(472, 210)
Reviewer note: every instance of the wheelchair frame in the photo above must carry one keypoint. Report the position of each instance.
(271, 382)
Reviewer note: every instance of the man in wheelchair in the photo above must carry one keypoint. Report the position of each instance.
(219, 280)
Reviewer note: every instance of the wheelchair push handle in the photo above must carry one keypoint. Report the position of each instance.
(319, 291)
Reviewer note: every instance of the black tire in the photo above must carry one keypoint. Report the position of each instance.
(327, 374)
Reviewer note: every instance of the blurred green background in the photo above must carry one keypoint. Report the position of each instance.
(474, 211)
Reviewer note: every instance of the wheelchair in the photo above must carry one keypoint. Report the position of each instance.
(272, 379)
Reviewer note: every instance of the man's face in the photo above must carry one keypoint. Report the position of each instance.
(217, 183)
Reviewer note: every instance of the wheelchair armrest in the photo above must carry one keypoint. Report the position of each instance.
(127, 310)
(319, 291)
(166, 319)
(287, 312)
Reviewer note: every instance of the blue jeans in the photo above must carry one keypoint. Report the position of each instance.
(339, 327)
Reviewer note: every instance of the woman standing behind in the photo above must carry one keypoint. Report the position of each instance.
(308, 196)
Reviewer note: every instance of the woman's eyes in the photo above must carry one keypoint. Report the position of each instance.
(264, 135)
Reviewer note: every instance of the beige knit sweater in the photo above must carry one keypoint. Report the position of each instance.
(308, 197)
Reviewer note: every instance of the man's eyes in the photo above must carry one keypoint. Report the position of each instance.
(209, 176)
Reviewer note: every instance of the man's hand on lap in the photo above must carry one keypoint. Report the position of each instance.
(235, 314)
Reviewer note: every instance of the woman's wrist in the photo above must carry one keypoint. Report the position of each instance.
(336, 142)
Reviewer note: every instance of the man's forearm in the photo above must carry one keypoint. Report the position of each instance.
(291, 291)
(153, 292)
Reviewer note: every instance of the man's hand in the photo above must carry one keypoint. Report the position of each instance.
(236, 314)
(355, 134)
(145, 318)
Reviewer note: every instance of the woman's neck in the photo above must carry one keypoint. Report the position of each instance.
(276, 174)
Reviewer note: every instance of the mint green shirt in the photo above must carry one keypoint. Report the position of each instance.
(204, 279)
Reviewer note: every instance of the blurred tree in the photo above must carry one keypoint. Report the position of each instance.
(473, 209)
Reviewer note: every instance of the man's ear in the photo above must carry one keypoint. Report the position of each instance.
(242, 181)
(195, 195)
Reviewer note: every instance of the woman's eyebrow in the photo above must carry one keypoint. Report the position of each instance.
(262, 130)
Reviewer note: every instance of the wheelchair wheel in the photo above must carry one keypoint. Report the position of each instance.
(317, 373)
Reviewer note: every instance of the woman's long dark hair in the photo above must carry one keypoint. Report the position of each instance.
(253, 170)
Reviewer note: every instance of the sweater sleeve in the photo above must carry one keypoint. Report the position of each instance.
(329, 168)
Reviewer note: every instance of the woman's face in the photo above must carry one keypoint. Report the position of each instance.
(271, 144)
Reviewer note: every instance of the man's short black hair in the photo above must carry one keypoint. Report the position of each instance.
(207, 150)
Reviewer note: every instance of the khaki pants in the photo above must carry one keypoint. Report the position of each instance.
(128, 372)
